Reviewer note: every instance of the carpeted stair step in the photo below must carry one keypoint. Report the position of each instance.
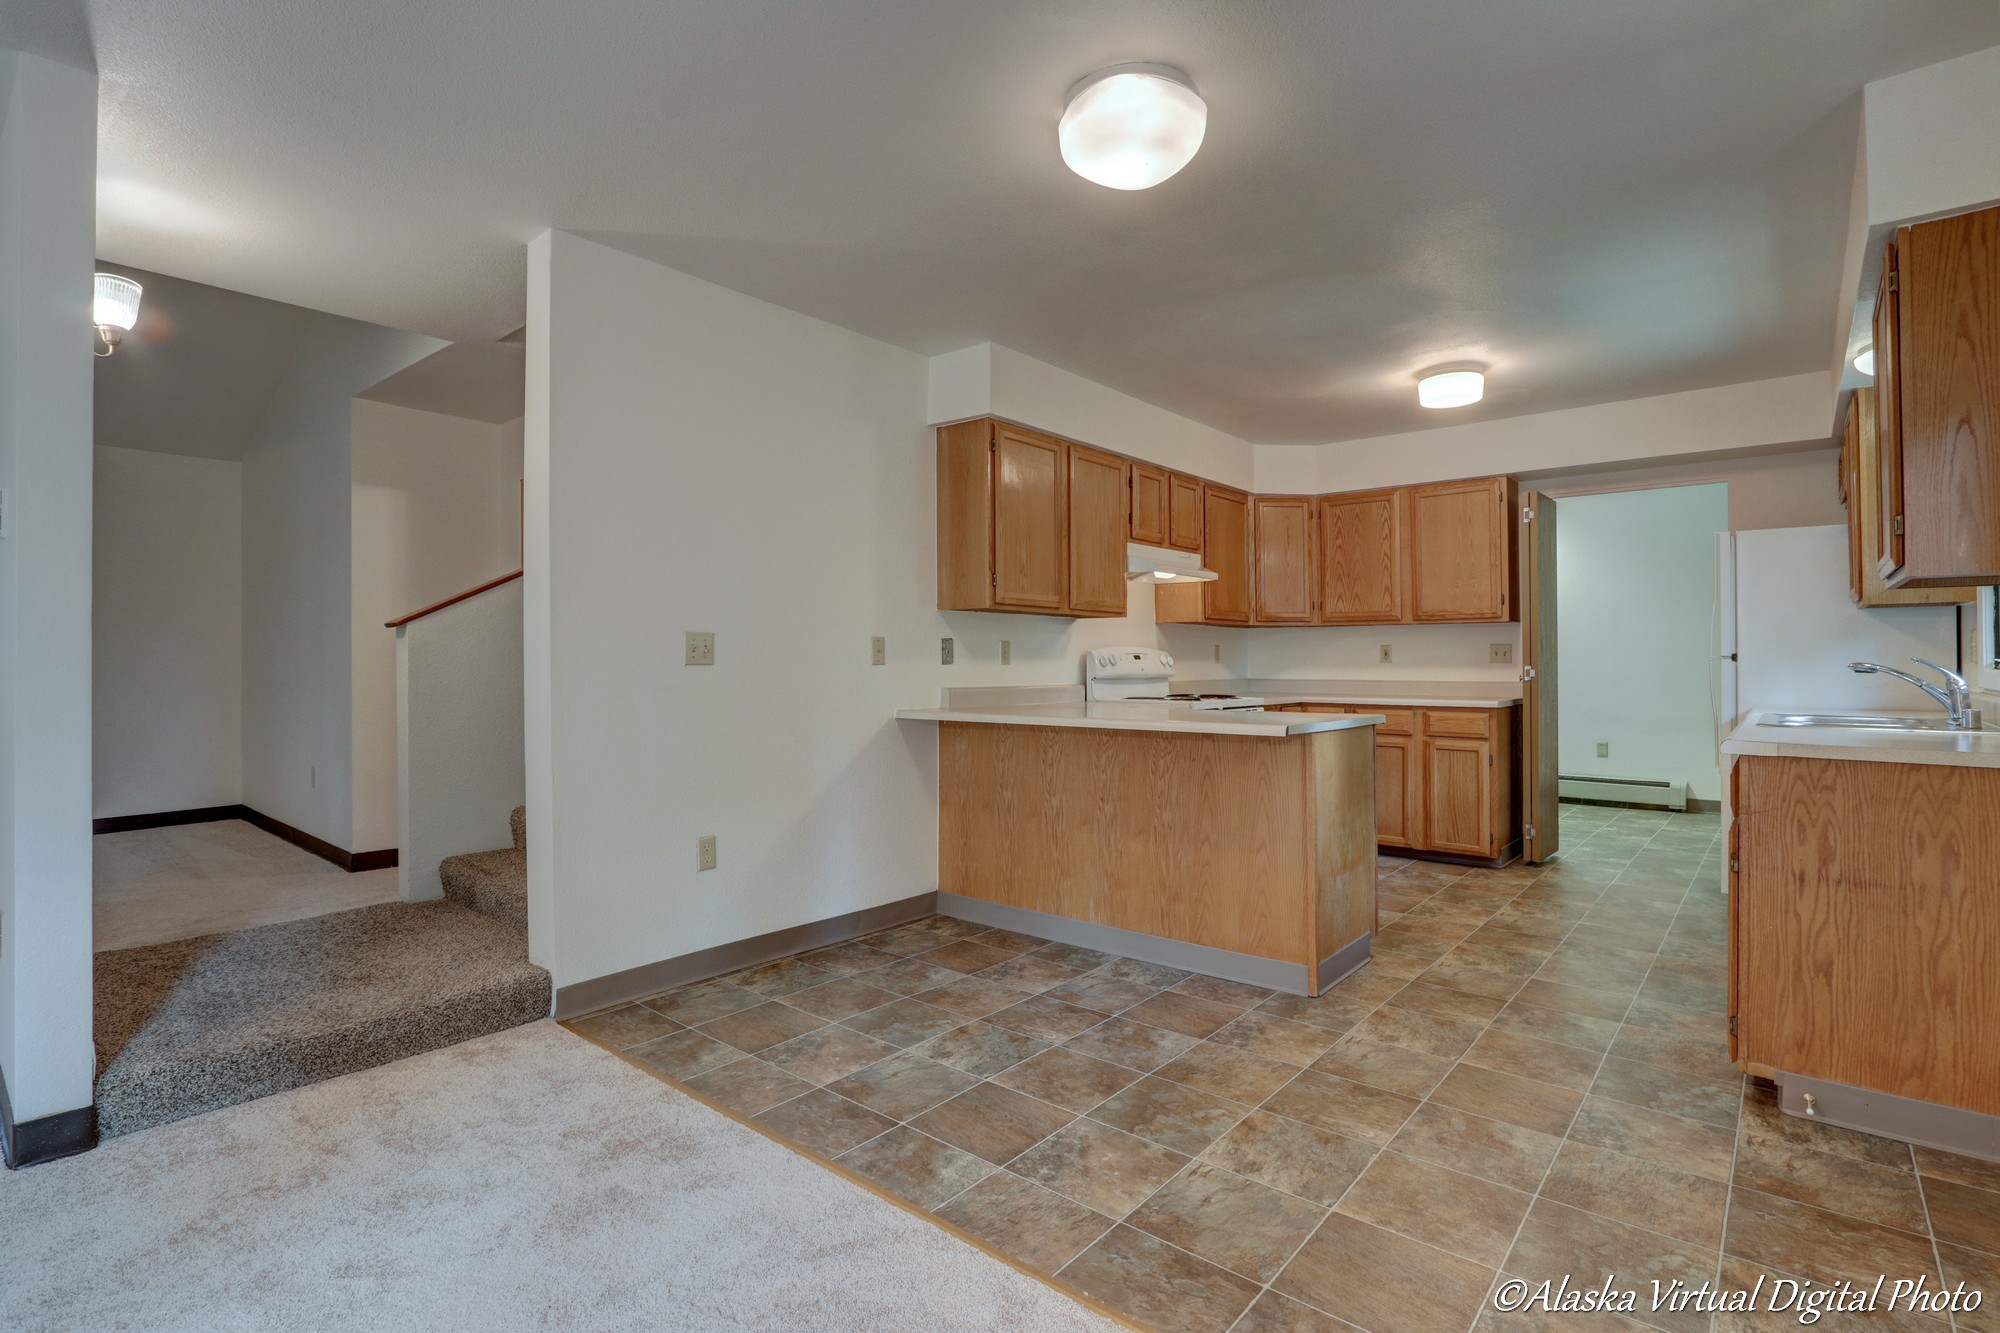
(492, 883)
(519, 820)
(198, 1024)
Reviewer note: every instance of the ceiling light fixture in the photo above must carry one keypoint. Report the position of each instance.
(115, 309)
(1864, 361)
(1451, 388)
(1130, 127)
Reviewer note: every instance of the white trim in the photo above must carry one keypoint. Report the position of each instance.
(1986, 675)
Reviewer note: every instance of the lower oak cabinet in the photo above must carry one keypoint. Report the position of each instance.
(1444, 779)
(1864, 926)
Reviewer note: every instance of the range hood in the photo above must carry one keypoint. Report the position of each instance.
(1161, 564)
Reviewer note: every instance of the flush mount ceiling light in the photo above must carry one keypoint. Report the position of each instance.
(1451, 388)
(115, 309)
(1130, 127)
(1864, 361)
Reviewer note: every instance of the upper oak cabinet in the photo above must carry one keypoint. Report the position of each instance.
(1462, 551)
(1364, 557)
(1937, 367)
(1225, 525)
(1012, 537)
(1183, 513)
(1282, 546)
(1861, 492)
(1149, 505)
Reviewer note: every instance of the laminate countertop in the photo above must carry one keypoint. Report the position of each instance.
(1142, 717)
(1378, 699)
(1959, 749)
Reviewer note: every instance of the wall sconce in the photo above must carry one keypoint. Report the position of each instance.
(115, 309)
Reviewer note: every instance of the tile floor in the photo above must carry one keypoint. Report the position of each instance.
(1530, 1079)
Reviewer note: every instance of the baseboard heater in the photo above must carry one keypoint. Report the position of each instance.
(1624, 791)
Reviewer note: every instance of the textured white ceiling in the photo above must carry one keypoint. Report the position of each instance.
(1603, 200)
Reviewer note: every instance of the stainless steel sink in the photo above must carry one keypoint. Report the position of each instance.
(1870, 721)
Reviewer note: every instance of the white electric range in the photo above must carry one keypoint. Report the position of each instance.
(1141, 675)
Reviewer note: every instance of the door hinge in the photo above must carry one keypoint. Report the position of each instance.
(1489, 761)
(1732, 1026)
(1530, 831)
(995, 578)
(1527, 674)
(1889, 281)
(1735, 863)
(1896, 525)
(1527, 514)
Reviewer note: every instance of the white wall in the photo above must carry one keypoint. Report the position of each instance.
(1635, 588)
(48, 164)
(436, 510)
(1787, 490)
(460, 770)
(297, 610)
(167, 630)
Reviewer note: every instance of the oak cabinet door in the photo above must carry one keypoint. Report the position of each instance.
(1149, 505)
(1226, 549)
(1096, 527)
(1030, 500)
(1458, 796)
(1282, 537)
(1462, 551)
(1888, 423)
(1398, 809)
(1364, 568)
(1183, 512)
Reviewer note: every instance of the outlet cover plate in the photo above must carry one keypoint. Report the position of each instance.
(878, 651)
(700, 647)
(946, 651)
(704, 852)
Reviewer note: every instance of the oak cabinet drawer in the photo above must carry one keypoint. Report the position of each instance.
(1474, 723)
(1395, 721)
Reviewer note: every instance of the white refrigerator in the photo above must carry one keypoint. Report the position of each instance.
(1785, 630)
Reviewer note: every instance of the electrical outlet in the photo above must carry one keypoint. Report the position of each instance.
(1499, 652)
(704, 853)
(1604, 749)
(1006, 652)
(945, 651)
(700, 647)
(878, 651)
(1388, 653)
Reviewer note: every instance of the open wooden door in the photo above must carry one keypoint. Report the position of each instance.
(1541, 817)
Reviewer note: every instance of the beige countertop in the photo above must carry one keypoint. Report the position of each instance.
(1413, 696)
(1961, 749)
(1140, 717)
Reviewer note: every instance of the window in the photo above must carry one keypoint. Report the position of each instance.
(1988, 660)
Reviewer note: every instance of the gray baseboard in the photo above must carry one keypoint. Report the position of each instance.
(1968, 1133)
(587, 997)
(1224, 963)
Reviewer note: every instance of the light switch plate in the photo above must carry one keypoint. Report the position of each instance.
(878, 651)
(1499, 652)
(945, 651)
(1388, 653)
(700, 647)
(1604, 749)
(704, 853)
(1006, 652)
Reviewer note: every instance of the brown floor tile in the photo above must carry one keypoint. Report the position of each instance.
(1884, 1194)
(1018, 1217)
(1543, 1061)
(682, 1055)
(1464, 1215)
(1385, 973)
(1105, 995)
(1049, 1019)
(1183, 1014)
(972, 997)
(1742, 1275)
(1300, 1159)
(913, 938)
(916, 1166)
(905, 1022)
(1228, 1072)
(1134, 1045)
(835, 1000)
(765, 1025)
(981, 1048)
(1159, 1286)
(1172, 1115)
(1670, 1140)
(1712, 1101)
(1578, 1030)
(1275, 1038)
(1146, 974)
(1964, 1216)
(1100, 1167)
(1228, 1220)
(1577, 969)
(780, 978)
(1694, 1042)
(1574, 999)
(1354, 1110)
(1412, 1029)
(1273, 1313)
(1639, 1193)
(1072, 956)
(826, 1123)
(1558, 1241)
(1384, 1282)
(702, 1002)
(1235, 994)
(1381, 1065)
(1518, 1101)
(1824, 1246)
(992, 1122)
(748, 1086)
(908, 976)
(1763, 1120)
(1981, 1272)
(630, 1025)
(1445, 1002)
(1013, 941)
(1030, 973)
(1064, 1078)
(1331, 1011)
(965, 956)
(1682, 983)
(1492, 1149)
(904, 1085)
(828, 1054)
(1965, 1170)
(852, 956)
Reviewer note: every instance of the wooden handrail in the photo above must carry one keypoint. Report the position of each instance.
(451, 601)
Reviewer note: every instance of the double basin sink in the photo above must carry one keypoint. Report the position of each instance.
(1866, 721)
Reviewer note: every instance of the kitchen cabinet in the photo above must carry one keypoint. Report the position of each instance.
(1012, 537)
(1364, 557)
(1282, 532)
(1462, 551)
(1937, 368)
(1183, 512)
(1149, 505)
(1861, 492)
(1225, 546)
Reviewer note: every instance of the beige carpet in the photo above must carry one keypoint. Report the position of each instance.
(526, 1180)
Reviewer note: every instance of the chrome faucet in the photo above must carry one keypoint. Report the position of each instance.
(1955, 694)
